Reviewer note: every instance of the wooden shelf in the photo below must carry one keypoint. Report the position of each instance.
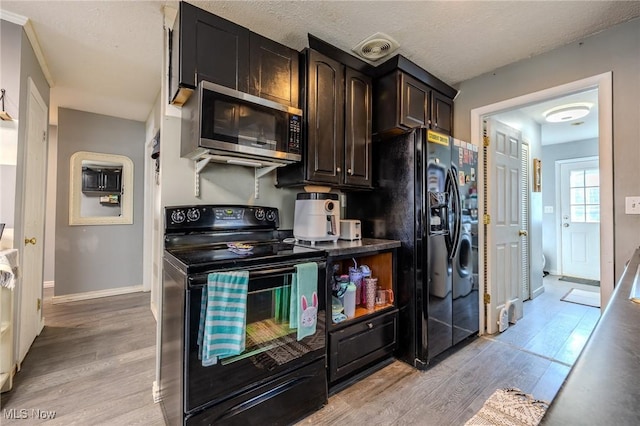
(362, 310)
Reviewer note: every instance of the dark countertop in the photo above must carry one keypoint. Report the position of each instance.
(602, 387)
(345, 248)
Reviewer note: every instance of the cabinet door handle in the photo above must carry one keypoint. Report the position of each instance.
(350, 171)
(338, 169)
(370, 325)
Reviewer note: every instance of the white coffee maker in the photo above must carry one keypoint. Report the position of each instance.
(316, 217)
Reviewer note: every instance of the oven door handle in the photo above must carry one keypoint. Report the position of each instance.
(201, 279)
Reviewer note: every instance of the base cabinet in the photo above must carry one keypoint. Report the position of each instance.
(357, 346)
(361, 340)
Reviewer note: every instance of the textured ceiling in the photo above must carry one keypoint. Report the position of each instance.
(105, 56)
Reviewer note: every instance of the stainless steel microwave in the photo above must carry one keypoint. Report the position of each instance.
(232, 124)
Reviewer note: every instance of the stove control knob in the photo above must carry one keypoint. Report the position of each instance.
(260, 214)
(193, 215)
(271, 215)
(177, 216)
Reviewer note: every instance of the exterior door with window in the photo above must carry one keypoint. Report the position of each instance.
(580, 219)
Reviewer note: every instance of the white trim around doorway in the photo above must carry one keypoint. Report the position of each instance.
(603, 82)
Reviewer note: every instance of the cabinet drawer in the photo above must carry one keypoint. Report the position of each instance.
(355, 347)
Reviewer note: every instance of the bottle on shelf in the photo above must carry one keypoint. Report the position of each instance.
(350, 301)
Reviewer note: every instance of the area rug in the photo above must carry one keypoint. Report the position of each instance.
(509, 407)
(582, 297)
(579, 280)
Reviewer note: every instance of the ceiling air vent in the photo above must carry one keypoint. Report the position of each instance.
(376, 47)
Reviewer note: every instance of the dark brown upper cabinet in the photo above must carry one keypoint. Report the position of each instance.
(338, 112)
(273, 71)
(204, 46)
(441, 113)
(101, 179)
(325, 119)
(406, 96)
(358, 117)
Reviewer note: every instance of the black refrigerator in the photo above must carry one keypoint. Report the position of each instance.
(417, 200)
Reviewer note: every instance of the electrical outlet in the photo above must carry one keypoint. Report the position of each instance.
(548, 209)
(632, 205)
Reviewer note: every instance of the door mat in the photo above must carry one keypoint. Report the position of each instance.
(510, 407)
(579, 280)
(582, 297)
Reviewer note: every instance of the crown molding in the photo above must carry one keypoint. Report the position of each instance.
(13, 17)
(35, 44)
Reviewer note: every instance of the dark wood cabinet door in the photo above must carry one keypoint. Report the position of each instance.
(357, 143)
(325, 119)
(273, 71)
(111, 180)
(91, 180)
(414, 103)
(442, 113)
(212, 49)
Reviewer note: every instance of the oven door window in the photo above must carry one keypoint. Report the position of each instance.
(271, 344)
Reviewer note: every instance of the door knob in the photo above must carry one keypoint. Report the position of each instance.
(523, 233)
(31, 240)
(566, 225)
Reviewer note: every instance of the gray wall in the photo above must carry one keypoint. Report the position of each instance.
(50, 218)
(616, 50)
(97, 257)
(219, 183)
(551, 154)
(10, 45)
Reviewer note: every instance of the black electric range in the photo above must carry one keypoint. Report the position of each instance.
(205, 239)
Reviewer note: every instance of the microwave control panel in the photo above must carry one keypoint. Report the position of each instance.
(295, 130)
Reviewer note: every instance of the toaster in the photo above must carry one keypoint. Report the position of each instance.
(350, 230)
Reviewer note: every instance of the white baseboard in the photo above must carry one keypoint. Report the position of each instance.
(156, 392)
(48, 284)
(95, 294)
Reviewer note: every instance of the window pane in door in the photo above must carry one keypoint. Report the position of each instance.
(577, 196)
(577, 213)
(576, 178)
(592, 177)
(593, 214)
(592, 195)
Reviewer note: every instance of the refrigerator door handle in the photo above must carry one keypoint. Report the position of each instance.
(456, 206)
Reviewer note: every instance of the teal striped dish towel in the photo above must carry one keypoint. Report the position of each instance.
(223, 316)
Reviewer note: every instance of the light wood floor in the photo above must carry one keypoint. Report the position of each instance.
(94, 363)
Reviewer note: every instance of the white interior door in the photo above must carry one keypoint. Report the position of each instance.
(580, 218)
(32, 254)
(504, 231)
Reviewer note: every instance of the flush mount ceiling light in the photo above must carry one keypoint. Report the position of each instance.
(376, 47)
(568, 112)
